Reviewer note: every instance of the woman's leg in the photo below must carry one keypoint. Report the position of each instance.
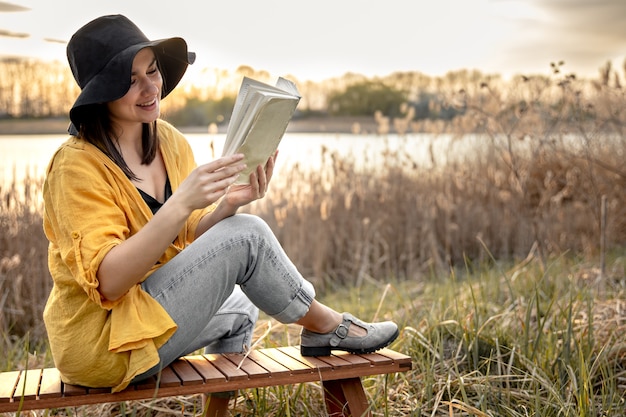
(242, 250)
(231, 328)
(194, 286)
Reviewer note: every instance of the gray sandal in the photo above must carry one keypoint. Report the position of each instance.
(378, 336)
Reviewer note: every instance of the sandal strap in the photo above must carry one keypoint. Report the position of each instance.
(341, 332)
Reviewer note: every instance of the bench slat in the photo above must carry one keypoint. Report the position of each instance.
(356, 361)
(226, 367)
(8, 382)
(169, 378)
(206, 369)
(50, 383)
(311, 361)
(253, 369)
(396, 357)
(294, 365)
(146, 384)
(377, 359)
(273, 368)
(28, 385)
(336, 361)
(187, 374)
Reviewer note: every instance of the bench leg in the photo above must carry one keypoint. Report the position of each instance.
(215, 405)
(345, 398)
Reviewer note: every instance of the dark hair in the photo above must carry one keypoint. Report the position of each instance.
(98, 130)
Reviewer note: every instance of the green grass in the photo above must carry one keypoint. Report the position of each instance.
(509, 339)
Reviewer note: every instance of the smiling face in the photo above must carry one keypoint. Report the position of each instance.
(141, 104)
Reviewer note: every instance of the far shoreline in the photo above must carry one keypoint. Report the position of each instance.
(58, 126)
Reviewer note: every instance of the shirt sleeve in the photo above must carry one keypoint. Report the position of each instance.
(87, 213)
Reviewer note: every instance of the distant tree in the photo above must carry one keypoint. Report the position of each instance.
(198, 112)
(365, 98)
(32, 88)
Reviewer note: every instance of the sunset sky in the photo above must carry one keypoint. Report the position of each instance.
(319, 39)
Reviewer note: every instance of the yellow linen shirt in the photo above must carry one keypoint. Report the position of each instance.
(91, 206)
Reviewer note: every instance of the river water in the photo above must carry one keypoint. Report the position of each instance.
(23, 155)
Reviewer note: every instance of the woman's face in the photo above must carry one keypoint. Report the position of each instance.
(141, 104)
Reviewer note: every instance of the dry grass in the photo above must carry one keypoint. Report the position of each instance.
(491, 264)
(509, 340)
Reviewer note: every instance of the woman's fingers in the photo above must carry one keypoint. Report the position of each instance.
(209, 182)
(226, 165)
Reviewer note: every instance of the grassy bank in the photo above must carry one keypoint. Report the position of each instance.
(506, 269)
(512, 339)
(500, 318)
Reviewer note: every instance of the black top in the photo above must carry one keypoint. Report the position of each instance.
(152, 202)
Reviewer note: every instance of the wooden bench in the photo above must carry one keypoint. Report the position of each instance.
(340, 375)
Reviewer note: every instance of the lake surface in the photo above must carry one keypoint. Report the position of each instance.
(30, 154)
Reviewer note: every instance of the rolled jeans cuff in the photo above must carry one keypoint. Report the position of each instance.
(299, 306)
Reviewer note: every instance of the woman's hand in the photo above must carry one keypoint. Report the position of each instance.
(241, 194)
(209, 182)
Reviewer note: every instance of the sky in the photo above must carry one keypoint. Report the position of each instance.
(317, 40)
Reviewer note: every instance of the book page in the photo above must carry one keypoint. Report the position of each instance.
(265, 134)
(259, 120)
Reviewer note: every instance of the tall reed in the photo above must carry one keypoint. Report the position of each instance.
(24, 279)
(489, 263)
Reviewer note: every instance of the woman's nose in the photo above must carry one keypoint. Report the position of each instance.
(150, 87)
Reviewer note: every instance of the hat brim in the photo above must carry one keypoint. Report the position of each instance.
(113, 81)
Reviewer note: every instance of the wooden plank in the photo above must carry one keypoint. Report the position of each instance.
(28, 385)
(376, 359)
(168, 378)
(253, 369)
(8, 382)
(50, 386)
(293, 364)
(357, 361)
(226, 367)
(311, 361)
(334, 361)
(403, 360)
(70, 390)
(267, 363)
(186, 373)
(146, 384)
(206, 369)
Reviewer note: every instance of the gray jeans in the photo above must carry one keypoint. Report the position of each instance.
(212, 289)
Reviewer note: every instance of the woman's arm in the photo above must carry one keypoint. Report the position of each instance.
(127, 263)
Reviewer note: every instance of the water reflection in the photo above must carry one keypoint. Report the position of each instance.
(28, 155)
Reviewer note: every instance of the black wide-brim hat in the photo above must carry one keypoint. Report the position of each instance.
(101, 55)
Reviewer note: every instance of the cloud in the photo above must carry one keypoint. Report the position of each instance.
(584, 34)
(9, 34)
(52, 40)
(594, 29)
(9, 7)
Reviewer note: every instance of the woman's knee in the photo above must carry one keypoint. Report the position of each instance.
(250, 224)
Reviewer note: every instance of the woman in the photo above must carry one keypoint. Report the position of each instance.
(149, 259)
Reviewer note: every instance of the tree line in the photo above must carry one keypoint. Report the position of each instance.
(32, 88)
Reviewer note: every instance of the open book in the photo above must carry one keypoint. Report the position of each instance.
(259, 120)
